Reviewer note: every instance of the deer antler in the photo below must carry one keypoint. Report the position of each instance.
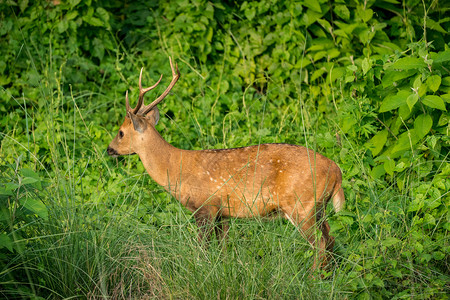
(175, 76)
(146, 108)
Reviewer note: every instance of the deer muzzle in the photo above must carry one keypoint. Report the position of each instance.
(112, 152)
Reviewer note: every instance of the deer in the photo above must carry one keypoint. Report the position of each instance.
(216, 184)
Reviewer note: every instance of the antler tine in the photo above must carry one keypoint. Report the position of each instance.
(127, 102)
(142, 92)
(175, 76)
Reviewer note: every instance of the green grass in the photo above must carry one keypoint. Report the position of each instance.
(112, 233)
(76, 223)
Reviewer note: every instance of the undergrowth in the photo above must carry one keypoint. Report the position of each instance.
(365, 84)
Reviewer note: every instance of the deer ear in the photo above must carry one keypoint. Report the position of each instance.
(153, 115)
(139, 123)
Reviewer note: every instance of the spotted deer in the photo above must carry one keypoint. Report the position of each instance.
(246, 182)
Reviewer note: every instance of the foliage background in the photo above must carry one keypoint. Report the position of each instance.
(366, 83)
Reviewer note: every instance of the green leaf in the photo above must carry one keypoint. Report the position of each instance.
(444, 119)
(411, 100)
(405, 141)
(31, 177)
(366, 65)
(28, 180)
(393, 76)
(5, 241)
(36, 206)
(74, 3)
(422, 125)
(314, 5)
(342, 12)
(415, 205)
(446, 81)
(446, 97)
(23, 5)
(364, 14)
(390, 241)
(408, 63)
(389, 166)
(377, 171)
(433, 82)
(442, 57)
(250, 13)
(434, 102)
(395, 101)
(376, 143)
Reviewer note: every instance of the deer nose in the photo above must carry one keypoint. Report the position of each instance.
(111, 151)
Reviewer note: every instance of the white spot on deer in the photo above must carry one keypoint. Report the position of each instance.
(207, 172)
(281, 171)
(278, 160)
(215, 180)
(271, 160)
(210, 178)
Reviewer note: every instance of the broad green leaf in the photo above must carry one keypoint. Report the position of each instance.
(411, 100)
(417, 82)
(444, 119)
(364, 14)
(347, 123)
(36, 206)
(433, 82)
(429, 220)
(366, 65)
(377, 171)
(31, 177)
(442, 57)
(446, 81)
(5, 241)
(415, 205)
(432, 24)
(250, 12)
(314, 5)
(390, 241)
(74, 3)
(438, 255)
(342, 12)
(389, 166)
(393, 76)
(392, 102)
(376, 143)
(422, 125)
(28, 180)
(335, 73)
(446, 97)
(405, 141)
(434, 102)
(408, 63)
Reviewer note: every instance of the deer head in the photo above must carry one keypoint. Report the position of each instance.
(140, 119)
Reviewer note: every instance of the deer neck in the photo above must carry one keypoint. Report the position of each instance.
(160, 159)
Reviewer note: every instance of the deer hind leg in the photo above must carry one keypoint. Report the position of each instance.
(307, 223)
(326, 245)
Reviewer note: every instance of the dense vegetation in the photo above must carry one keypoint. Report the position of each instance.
(366, 83)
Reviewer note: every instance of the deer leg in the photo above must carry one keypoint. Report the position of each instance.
(326, 246)
(307, 225)
(205, 223)
(221, 229)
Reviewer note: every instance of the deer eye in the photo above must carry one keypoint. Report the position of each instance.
(121, 134)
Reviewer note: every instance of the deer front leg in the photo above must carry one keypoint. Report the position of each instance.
(221, 228)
